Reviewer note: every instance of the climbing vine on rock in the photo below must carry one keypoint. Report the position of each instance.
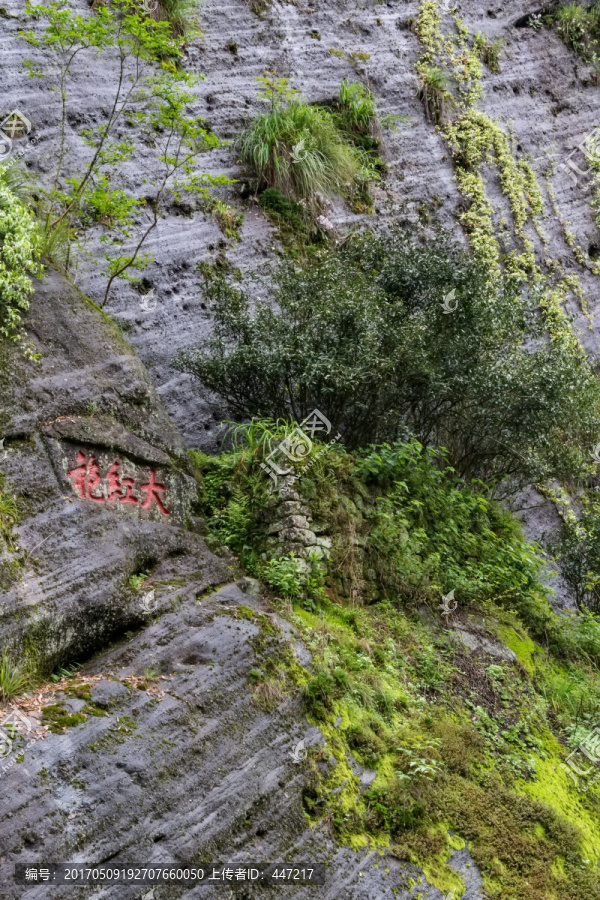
(476, 142)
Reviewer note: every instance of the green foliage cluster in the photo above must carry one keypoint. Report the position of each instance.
(307, 152)
(435, 93)
(20, 252)
(578, 549)
(488, 51)
(363, 335)
(414, 531)
(289, 217)
(579, 27)
(430, 533)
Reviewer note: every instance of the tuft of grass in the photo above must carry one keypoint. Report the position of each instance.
(357, 109)
(259, 7)
(13, 680)
(359, 118)
(268, 694)
(179, 13)
(8, 513)
(299, 150)
(55, 243)
(228, 219)
(15, 178)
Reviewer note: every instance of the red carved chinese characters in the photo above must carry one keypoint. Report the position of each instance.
(115, 488)
(129, 498)
(151, 489)
(88, 484)
(86, 478)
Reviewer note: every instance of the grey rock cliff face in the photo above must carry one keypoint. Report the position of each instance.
(190, 768)
(542, 92)
(173, 760)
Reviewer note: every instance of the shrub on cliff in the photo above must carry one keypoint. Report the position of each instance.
(387, 335)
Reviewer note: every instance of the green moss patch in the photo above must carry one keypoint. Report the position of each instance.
(58, 718)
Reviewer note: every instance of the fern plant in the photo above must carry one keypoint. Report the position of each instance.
(435, 93)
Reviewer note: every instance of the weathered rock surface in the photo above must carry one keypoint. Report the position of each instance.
(542, 90)
(90, 395)
(176, 760)
(185, 769)
(205, 771)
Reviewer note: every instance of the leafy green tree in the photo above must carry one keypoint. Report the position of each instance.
(389, 335)
(153, 99)
(578, 550)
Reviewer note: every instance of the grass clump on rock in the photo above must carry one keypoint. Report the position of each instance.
(300, 150)
(13, 679)
(579, 27)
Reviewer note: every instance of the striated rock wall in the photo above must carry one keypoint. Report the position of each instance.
(542, 92)
(189, 767)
